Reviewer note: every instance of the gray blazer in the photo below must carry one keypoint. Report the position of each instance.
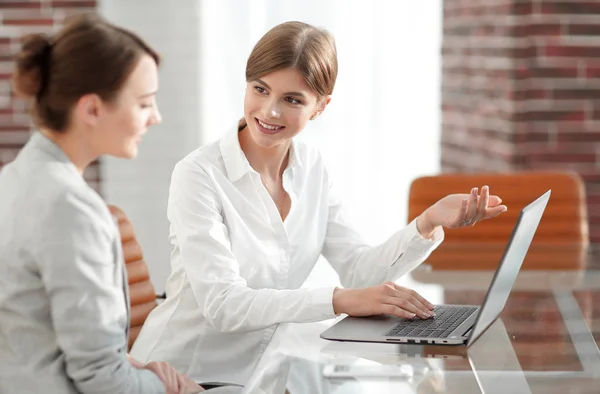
(64, 302)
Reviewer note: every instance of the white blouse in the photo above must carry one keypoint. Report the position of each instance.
(237, 268)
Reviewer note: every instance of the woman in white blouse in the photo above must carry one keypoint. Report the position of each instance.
(251, 214)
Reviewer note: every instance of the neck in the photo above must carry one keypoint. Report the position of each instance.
(76, 148)
(268, 162)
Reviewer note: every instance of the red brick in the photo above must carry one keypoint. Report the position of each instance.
(591, 177)
(578, 136)
(556, 115)
(592, 71)
(578, 29)
(522, 8)
(573, 7)
(537, 29)
(576, 93)
(28, 22)
(524, 52)
(530, 94)
(554, 72)
(531, 136)
(74, 4)
(14, 127)
(572, 51)
(20, 4)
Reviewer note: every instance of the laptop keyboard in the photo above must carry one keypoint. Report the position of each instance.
(447, 319)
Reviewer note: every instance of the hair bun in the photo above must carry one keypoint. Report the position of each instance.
(31, 65)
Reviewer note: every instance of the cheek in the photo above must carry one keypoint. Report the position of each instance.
(135, 119)
(251, 104)
(301, 117)
(127, 124)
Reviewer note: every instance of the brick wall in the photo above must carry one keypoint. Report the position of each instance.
(521, 89)
(16, 19)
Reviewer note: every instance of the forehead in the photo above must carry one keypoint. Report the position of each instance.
(144, 77)
(288, 80)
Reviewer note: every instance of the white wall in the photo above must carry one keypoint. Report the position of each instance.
(140, 186)
(381, 130)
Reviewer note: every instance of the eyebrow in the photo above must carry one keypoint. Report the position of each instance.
(299, 94)
(147, 94)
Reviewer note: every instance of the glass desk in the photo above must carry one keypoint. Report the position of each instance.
(545, 341)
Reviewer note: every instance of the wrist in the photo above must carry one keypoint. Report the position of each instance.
(339, 300)
(424, 225)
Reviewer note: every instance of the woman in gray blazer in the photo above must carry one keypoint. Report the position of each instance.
(64, 307)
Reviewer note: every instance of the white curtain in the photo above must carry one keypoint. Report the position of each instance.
(382, 128)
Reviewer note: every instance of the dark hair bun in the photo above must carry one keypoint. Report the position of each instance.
(31, 65)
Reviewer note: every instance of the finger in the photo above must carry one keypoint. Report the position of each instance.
(495, 211)
(173, 378)
(192, 386)
(187, 385)
(409, 304)
(159, 372)
(472, 207)
(494, 200)
(483, 203)
(391, 309)
(408, 298)
(418, 296)
(462, 214)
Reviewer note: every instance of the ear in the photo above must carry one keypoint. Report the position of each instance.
(88, 108)
(323, 103)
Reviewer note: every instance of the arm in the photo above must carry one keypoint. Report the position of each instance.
(194, 210)
(361, 265)
(87, 304)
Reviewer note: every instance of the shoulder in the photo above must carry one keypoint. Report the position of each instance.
(202, 161)
(70, 203)
(312, 162)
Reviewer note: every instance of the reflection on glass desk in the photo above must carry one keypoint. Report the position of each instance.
(545, 341)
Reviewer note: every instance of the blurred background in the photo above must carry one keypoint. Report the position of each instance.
(423, 88)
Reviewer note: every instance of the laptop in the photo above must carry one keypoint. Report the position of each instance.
(453, 324)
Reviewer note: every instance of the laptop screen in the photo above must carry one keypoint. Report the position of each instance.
(511, 262)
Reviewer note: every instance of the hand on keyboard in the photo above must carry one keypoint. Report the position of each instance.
(387, 298)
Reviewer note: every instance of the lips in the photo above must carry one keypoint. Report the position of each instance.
(268, 128)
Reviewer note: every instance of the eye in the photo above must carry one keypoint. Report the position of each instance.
(145, 105)
(260, 89)
(292, 100)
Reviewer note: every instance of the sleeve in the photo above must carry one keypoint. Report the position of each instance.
(87, 303)
(362, 265)
(223, 296)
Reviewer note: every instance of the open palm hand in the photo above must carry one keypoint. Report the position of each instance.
(462, 210)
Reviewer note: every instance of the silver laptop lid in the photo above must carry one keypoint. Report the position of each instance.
(511, 262)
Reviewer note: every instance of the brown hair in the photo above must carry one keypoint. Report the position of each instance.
(88, 55)
(305, 48)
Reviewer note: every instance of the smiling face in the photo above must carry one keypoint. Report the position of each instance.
(278, 105)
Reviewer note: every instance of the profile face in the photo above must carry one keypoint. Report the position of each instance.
(122, 124)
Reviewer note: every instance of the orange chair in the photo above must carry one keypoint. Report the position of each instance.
(141, 291)
(561, 239)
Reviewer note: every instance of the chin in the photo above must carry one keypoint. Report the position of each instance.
(265, 140)
(127, 153)
(131, 154)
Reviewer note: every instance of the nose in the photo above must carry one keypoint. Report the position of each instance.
(273, 109)
(155, 118)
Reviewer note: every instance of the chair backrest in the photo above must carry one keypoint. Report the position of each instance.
(141, 292)
(563, 230)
